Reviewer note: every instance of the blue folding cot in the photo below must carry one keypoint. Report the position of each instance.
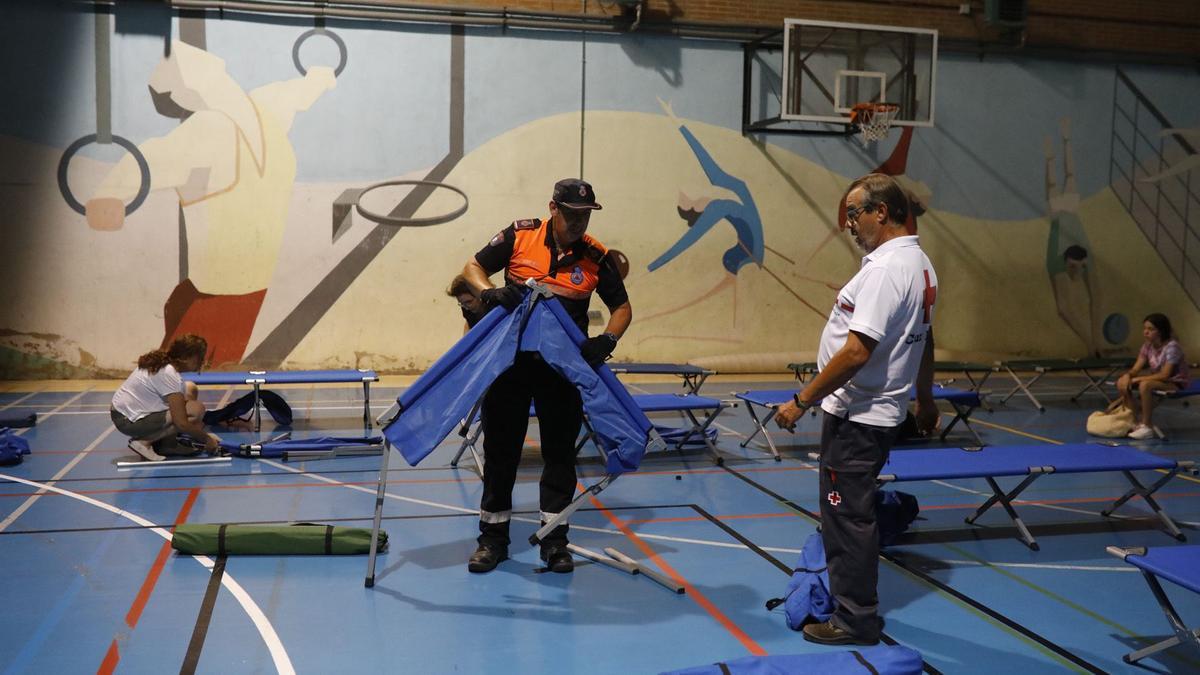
(693, 376)
(1185, 393)
(1033, 462)
(319, 447)
(1096, 370)
(1177, 564)
(963, 401)
(259, 378)
(975, 373)
(697, 432)
(440, 399)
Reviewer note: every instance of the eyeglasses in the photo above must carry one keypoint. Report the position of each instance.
(853, 212)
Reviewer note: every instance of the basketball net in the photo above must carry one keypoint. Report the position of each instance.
(874, 120)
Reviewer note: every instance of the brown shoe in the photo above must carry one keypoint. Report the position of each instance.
(829, 634)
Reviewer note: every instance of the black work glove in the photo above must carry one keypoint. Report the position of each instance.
(595, 350)
(507, 297)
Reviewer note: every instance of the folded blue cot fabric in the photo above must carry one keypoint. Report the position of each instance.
(437, 402)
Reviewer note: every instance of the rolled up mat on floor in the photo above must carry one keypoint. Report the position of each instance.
(297, 539)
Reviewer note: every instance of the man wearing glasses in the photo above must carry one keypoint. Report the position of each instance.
(557, 253)
(878, 339)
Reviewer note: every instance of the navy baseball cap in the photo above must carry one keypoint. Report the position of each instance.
(575, 194)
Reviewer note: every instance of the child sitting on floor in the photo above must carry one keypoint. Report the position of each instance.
(151, 406)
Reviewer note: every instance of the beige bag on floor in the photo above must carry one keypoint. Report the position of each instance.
(1115, 422)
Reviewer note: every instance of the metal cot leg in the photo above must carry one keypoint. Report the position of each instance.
(1182, 634)
(380, 491)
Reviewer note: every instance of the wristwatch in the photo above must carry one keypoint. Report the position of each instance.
(801, 404)
(610, 336)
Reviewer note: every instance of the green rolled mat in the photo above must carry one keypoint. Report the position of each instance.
(300, 538)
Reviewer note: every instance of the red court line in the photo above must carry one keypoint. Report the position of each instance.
(112, 657)
(708, 606)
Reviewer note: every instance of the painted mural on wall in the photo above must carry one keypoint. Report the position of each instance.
(232, 166)
(735, 246)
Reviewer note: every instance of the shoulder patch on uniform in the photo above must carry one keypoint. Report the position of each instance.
(498, 239)
(528, 224)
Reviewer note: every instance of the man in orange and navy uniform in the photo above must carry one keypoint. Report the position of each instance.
(557, 253)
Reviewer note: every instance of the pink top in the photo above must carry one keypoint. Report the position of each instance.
(1171, 353)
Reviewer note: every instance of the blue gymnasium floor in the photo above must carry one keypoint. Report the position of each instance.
(90, 584)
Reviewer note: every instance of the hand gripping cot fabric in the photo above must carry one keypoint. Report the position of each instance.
(296, 539)
(881, 660)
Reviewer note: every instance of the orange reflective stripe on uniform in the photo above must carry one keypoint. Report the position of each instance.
(531, 260)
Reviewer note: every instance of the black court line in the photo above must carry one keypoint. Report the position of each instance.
(884, 637)
(192, 657)
(950, 590)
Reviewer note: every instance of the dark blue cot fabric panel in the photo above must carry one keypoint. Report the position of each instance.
(963, 396)
(318, 444)
(656, 369)
(283, 377)
(767, 397)
(673, 402)
(1192, 389)
(1177, 564)
(1017, 460)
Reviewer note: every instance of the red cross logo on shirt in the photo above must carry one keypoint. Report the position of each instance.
(834, 498)
(929, 297)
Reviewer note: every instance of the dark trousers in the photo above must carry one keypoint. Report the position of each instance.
(852, 455)
(505, 421)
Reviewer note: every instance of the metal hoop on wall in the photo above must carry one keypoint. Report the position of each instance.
(411, 222)
(65, 161)
(320, 30)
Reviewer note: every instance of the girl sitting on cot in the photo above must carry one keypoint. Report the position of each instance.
(151, 406)
(1167, 370)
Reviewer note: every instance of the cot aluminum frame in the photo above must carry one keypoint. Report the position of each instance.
(1006, 498)
(693, 376)
(258, 378)
(1182, 634)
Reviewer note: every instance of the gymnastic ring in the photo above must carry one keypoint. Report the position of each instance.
(319, 31)
(143, 169)
(411, 222)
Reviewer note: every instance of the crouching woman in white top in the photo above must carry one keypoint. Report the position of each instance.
(152, 406)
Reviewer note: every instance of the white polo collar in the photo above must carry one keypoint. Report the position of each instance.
(889, 245)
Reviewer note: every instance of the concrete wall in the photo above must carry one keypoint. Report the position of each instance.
(248, 234)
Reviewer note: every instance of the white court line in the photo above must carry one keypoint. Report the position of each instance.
(12, 517)
(460, 509)
(283, 663)
(18, 401)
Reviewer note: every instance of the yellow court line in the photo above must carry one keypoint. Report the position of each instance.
(1016, 431)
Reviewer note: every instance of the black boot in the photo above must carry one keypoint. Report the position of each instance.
(558, 558)
(486, 557)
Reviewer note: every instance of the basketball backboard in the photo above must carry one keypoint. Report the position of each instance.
(830, 66)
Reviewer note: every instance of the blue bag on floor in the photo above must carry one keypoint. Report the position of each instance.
(12, 447)
(243, 409)
(894, 512)
(807, 599)
(881, 659)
